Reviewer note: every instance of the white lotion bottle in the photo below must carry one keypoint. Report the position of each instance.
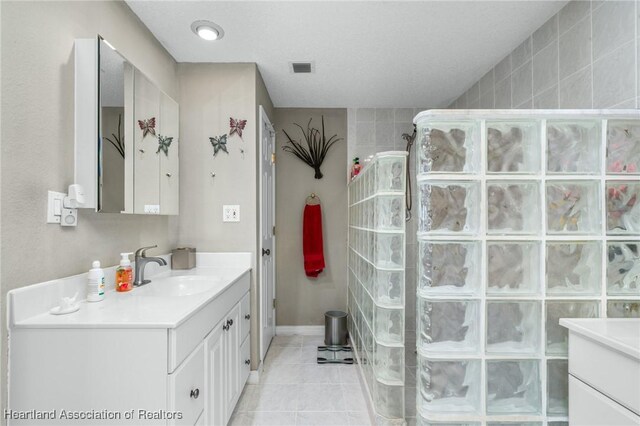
(95, 283)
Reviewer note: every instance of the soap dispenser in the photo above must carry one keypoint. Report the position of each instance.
(124, 274)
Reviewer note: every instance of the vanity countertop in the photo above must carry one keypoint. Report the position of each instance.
(143, 307)
(620, 334)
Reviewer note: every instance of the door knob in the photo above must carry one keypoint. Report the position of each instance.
(247, 316)
(266, 252)
(247, 361)
(195, 393)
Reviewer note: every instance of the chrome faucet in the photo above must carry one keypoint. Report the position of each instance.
(141, 262)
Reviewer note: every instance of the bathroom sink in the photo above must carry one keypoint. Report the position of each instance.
(182, 285)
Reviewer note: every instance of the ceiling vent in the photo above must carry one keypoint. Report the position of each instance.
(300, 67)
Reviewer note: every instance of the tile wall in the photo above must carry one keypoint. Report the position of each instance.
(585, 56)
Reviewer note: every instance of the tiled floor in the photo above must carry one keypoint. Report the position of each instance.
(295, 391)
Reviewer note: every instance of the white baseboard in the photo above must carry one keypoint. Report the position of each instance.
(254, 375)
(307, 330)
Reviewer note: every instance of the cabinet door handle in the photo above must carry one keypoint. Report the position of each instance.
(247, 316)
(195, 393)
(168, 174)
(230, 322)
(266, 252)
(247, 361)
(225, 327)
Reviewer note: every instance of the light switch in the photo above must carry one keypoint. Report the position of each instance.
(231, 213)
(54, 206)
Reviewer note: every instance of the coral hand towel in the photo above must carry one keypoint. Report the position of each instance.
(312, 248)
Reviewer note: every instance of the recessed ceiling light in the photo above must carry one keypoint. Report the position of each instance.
(207, 30)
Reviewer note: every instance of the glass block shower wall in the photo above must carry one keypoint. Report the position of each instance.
(525, 217)
(376, 281)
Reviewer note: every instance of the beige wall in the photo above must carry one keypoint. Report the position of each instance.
(585, 56)
(301, 300)
(209, 95)
(37, 140)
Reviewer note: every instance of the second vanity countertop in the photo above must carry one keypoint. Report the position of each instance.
(142, 307)
(620, 334)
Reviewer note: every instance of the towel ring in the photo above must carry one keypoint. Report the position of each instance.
(311, 198)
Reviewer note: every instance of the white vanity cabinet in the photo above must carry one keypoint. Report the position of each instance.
(196, 366)
(227, 358)
(604, 371)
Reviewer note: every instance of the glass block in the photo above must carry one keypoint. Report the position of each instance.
(389, 250)
(623, 208)
(389, 212)
(449, 268)
(390, 174)
(513, 327)
(451, 386)
(449, 207)
(389, 325)
(558, 336)
(513, 207)
(513, 147)
(448, 326)
(557, 387)
(623, 309)
(513, 268)
(573, 207)
(426, 422)
(623, 268)
(389, 363)
(573, 268)
(389, 287)
(389, 400)
(573, 146)
(513, 387)
(514, 424)
(623, 147)
(448, 147)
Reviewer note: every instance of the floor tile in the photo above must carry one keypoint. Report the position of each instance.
(275, 373)
(265, 418)
(313, 341)
(349, 374)
(283, 355)
(295, 340)
(270, 398)
(359, 418)
(354, 397)
(309, 355)
(320, 418)
(321, 398)
(325, 373)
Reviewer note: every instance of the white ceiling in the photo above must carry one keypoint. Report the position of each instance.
(366, 53)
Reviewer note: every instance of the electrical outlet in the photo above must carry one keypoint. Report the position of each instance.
(152, 208)
(231, 213)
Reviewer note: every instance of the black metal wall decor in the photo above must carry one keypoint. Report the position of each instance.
(317, 146)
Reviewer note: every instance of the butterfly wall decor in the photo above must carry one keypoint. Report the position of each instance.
(236, 126)
(164, 142)
(148, 127)
(219, 144)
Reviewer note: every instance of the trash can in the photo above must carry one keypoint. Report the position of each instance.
(335, 328)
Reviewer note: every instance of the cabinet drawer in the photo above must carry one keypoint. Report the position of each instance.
(186, 388)
(245, 316)
(588, 407)
(245, 362)
(610, 372)
(189, 334)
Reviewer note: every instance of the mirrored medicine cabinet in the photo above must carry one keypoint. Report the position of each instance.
(134, 168)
